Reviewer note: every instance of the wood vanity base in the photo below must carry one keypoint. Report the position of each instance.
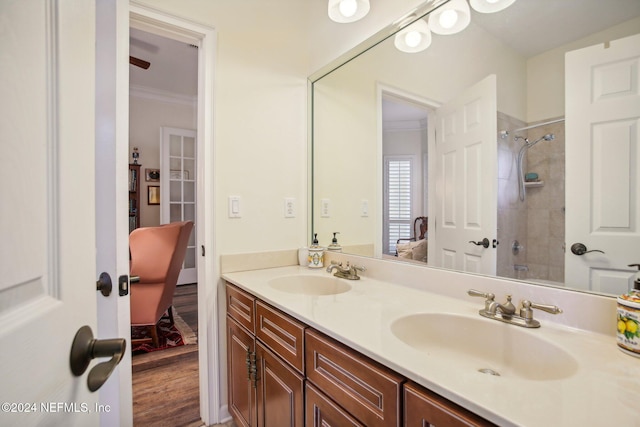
(283, 373)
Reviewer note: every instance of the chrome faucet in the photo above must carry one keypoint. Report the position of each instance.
(507, 308)
(507, 312)
(348, 272)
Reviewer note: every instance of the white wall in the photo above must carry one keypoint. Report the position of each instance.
(146, 117)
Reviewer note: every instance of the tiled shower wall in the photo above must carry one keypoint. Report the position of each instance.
(538, 222)
(546, 205)
(512, 214)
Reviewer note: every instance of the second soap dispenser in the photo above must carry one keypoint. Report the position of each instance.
(335, 246)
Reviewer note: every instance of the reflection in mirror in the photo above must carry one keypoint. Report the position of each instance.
(421, 156)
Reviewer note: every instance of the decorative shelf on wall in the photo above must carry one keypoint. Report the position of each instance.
(534, 184)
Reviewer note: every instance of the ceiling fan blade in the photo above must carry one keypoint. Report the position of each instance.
(139, 62)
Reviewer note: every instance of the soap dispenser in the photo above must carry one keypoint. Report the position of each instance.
(316, 254)
(334, 246)
(628, 328)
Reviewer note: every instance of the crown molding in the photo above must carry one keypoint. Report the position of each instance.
(404, 125)
(153, 94)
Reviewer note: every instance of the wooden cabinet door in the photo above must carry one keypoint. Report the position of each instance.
(425, 408)
(320, 411)
(280, 391)
(241, 391)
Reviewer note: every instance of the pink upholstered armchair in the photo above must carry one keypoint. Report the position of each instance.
(157, 254)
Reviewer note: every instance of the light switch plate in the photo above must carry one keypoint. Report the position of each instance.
(234, 207)
(364, 208)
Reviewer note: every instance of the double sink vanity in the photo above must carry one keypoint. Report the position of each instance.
(392, 348)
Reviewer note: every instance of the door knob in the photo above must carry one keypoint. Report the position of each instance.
(484, 242)
(580, 249)
(85, 347)
(104, 284)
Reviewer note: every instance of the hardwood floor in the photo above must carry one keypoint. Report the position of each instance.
(165, 383)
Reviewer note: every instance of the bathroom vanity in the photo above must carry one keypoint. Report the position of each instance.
(283, 372)
(381, 351)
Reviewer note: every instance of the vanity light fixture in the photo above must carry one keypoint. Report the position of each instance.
(414, 38)
(345, 11)
(451, 18)
(490, 6)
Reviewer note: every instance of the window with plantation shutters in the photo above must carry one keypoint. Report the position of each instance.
(398, 208)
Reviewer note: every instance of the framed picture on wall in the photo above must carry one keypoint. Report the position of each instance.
(152, 175)
(153, 195)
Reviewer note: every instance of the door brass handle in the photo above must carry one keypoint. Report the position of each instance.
(580, 249)
(484, 242)
(85, 347)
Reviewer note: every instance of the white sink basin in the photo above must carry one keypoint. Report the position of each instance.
(485, 346)
(310, 285)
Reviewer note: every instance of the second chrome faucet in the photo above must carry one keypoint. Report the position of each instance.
(507, 312)
(349, 272)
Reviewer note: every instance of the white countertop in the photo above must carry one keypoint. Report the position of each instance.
(605, 389)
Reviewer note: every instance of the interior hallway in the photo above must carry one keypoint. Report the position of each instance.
(165, 383)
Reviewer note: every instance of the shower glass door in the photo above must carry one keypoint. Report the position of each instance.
(178, 189)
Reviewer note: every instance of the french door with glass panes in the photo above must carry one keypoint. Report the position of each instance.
(178, 189)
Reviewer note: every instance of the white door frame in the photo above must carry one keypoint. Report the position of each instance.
(160, 23)
(383, 89)
(111, 202)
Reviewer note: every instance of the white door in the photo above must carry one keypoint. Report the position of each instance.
(178, 189)
(603, 143)
(47, 214)
(466, 176)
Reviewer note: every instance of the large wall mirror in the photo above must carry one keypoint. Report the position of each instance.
(510, 148)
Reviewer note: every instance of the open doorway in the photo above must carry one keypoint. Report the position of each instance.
(163, 84)
(405, 151)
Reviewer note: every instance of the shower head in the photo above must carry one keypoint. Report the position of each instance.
(527, 143)
(547, 137)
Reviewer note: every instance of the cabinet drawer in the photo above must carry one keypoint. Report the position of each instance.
(367, 390)
(320, 411)
(282, 334)
(241, 307)
(423, 407)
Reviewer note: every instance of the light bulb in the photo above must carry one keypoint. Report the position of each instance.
(413, 38)
(448, 18)
(348, 8)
